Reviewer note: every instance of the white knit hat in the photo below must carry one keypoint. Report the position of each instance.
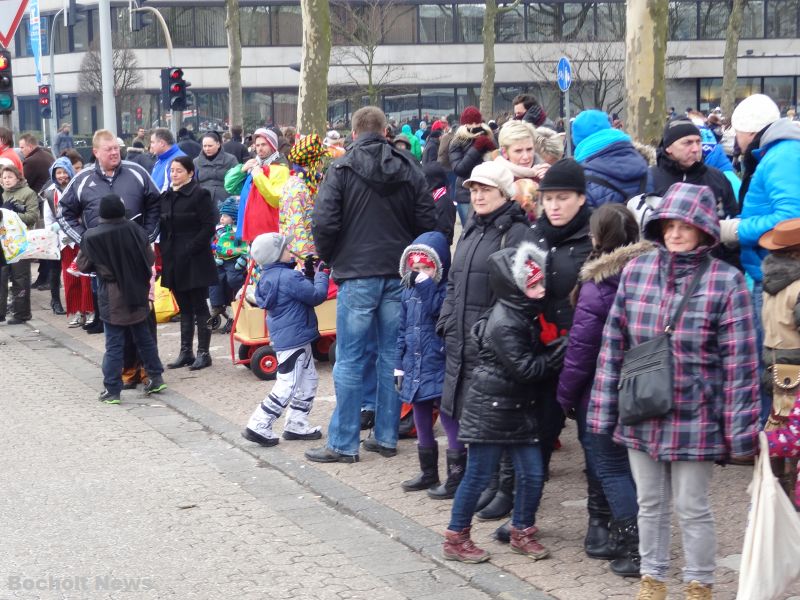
(754, 113)
(267, 248)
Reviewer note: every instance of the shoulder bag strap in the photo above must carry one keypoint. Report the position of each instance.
(689, 291)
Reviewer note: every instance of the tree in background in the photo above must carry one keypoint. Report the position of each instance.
(234, 34)
(492, 11)
(729, 61)
(312, 102)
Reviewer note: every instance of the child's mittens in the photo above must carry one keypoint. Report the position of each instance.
(219, 261)
(241, 264)
(556, 350)
(398, 379)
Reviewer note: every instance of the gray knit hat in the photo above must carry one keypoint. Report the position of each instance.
(267, 248)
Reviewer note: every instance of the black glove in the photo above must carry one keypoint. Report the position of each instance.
(308, 267)
(409, 278)
(18, 208)
(556, 350)
(398, 383)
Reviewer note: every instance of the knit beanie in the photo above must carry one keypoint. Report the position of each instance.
(754, 113)
(566, 174)
(438, 125)
(268, 135)
(111, 207)
(230, 207)
(471, 115)
(267, 248)
(587, 123)
(677, 129)
(528, 266)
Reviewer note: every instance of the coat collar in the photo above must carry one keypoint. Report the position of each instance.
(610, 264)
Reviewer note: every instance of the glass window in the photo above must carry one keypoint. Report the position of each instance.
(682, 20)
(510, 25)
(570, 21)
(285, 109)
(710, 93)
(287, 27)
(209, 27)
(781, 90)
(28, 111)
(503, 95)
(437, 103)
(257, 110)
(543, 22)
(149, 36)
(753, 19)
(338, 113)
(578, 21)
(24, 47)
(782, 18)
(747, 86)
(467, 96)
(402, 105)
(254, 25)
(713, 20)
(470, 23)
(435, 24)
(180, 23)
(399, 24)
(611, 21)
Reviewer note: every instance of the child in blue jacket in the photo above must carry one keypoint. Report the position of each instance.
(420, 370)
(289, 299)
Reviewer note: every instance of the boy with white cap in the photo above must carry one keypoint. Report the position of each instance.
(289, 299)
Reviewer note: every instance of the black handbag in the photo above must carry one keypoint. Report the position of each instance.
(645, 382)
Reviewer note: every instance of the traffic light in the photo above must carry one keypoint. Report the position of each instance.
(6, 84)
(44, 101)
(72, 16)
(177, 89)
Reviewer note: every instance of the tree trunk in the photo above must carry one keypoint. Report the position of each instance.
(312, 102)
(235, 102)
(729, 62)
(489, 36)
(645, 62)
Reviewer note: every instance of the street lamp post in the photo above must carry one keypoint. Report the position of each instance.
(54, 118)
(107, 66)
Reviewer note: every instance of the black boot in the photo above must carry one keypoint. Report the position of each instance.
(627, 532)
(503, 501)
(456, 465)
(185, 357)
(429, 466)
(203, 359)
(488, 494)
(503, 533)
(58, 308)
(596, 543)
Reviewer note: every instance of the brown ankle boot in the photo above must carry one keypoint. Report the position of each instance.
(697, 591)
(652, 589)
(523, 541)
(458, 546)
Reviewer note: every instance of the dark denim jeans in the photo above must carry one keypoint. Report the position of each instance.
(115, 351)
(758, 305)
(611, 464)
(482, 461)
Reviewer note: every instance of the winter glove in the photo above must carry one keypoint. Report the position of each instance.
(308, 266)
(241, 263)
(557, 349)
(729, 232)
(17, 208)
(219, 261)
(398, 379)
(484, 144)
(409, 279)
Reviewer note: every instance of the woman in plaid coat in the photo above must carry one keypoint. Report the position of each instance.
(715, 413)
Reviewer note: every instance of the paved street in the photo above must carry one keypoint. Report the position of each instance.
(162, 493)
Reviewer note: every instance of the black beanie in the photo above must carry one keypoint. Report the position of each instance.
(111, 207)
(677, 129)
(566, 174)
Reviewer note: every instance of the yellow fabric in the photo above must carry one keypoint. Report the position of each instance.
(271, 186)
(164, 303)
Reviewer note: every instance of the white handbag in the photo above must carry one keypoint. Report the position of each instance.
(771, 552)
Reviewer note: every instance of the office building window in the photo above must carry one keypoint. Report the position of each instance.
(285, 109)
(611, 21)
(437, 103)
(781, 90)
(714, 19)
(209, 27)
(435, 24)
(257, 110)
(782, 18)
(399, 24)
(543, 22)
(753, 19)
(468, 96)
(571, 21)
(578, 21)
(682, 20)
(402, 105)
(510, 25)
(470, 23)
(287, 26)
(254, 25)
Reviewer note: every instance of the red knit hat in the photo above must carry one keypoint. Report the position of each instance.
(471, 115)
(535, 274)
(437, 125)
(420, 258)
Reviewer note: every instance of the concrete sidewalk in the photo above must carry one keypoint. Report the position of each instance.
(221, 398)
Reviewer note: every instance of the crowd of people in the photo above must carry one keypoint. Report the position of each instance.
(564, 271)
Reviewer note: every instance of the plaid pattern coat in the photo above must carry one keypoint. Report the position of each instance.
(715, 412)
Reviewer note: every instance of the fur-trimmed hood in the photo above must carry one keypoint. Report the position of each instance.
(508, 273)
(434, 245)
(780, 270)
(463, 135)
(611, 264)
(648, 152)
(527, 252)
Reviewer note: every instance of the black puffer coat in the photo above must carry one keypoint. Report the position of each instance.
(469, 295)
(464, 157)
(498, 408)
(188, 219)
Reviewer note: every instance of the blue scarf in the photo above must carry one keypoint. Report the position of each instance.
(598, 141)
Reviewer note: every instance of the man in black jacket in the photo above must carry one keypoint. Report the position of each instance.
(235, 145)
(372, 204)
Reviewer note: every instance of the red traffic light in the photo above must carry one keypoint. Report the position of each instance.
(5, 63)
(176, 74)
(44, 95)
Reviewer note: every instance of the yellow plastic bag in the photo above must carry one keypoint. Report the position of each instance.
(164, 303)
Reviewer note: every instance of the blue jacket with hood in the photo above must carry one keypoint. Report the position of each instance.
(774, 192)
(420, 351)
(289, 299)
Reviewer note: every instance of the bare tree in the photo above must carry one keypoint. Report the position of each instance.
(359, 29)
(127, 77)
(312, 104)
(235, 99)
(645, 68)
(492, 11)
(729, 61)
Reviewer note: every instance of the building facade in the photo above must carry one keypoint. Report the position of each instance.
(426, 58)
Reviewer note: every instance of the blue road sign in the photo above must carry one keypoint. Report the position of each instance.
(564, 74)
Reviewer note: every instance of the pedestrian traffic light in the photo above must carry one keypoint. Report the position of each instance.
(177, 89)
(6, 84)
(44, 101)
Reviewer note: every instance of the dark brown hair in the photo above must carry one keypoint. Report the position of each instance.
(612, 225)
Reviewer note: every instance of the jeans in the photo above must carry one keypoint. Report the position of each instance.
(115, 347)
(611, 464)
(657, 483)
(230, 280)
(482, 461)
(365, 307)
(463, 212)
(370, 376)
(758, 305)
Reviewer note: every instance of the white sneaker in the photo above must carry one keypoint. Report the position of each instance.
(77, 321)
